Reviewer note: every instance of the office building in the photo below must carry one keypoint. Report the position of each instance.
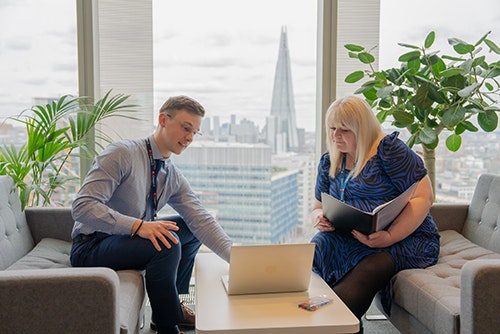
(236, 182)
(283, 105)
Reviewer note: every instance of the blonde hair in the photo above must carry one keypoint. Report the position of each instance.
(353, 113)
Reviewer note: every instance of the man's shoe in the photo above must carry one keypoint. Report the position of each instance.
(189, 317)
(153, 327)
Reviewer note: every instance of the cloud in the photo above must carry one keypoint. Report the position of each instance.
(214, 62)
(304, 62)
(65, 38)
(35, 81)
(193, 87)
(218, 40)
(448, 18)
(71, 67)
(18, 45)
(168, 35)
(9, 3)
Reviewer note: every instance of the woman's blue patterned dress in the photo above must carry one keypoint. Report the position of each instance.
(387, 174)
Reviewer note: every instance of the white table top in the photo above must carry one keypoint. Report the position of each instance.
(277, 313)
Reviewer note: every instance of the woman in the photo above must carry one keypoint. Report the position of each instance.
(365, 168)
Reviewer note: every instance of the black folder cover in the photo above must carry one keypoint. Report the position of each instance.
(346, 217)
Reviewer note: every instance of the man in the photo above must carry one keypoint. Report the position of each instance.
(115, 214)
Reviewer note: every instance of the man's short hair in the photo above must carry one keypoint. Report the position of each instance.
(181, 102)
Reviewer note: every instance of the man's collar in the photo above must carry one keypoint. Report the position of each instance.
(156, 151)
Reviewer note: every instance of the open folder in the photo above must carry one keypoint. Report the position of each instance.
(346, 217)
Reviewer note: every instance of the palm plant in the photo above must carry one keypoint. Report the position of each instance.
(55, 133)
(429, 93)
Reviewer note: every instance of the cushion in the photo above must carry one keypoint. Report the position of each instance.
(132, 299)
(432, 295)
(48, 253)
(15, 236)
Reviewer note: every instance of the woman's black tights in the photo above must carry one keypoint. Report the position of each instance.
(358, 288)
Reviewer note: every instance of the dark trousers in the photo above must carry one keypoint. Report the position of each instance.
(168, 272)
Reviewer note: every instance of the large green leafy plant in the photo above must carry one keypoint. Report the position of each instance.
(55, 133)
(430, 93)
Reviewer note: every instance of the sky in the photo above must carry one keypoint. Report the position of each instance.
(37, 52)
(221, 52)
(226, 58)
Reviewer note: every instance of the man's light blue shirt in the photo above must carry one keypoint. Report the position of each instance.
(116, 193)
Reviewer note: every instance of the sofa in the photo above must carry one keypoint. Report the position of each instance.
(39, 290)
(461, 293)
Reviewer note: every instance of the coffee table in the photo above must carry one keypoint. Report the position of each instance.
(275, 313)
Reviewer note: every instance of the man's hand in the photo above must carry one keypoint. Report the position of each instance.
(159, 230)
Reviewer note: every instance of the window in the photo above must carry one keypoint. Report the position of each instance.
(457, 172)
(38, 58)
(232, 61)
(38, 64)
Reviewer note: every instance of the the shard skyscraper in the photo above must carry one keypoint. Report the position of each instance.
(283, 105)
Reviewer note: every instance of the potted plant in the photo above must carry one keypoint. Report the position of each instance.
(429, 94)
(55, 133)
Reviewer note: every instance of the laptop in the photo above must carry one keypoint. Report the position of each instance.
(269, 269)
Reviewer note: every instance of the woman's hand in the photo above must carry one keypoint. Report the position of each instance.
(320, 222)
(378, 239)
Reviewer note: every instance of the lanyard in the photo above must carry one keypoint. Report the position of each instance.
(152, 194)
(345, 177)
